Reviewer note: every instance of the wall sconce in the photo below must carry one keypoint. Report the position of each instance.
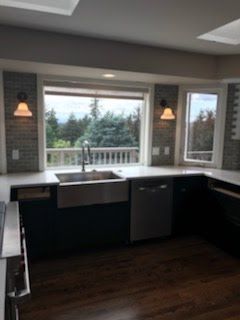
(167, 112)
(22, 108)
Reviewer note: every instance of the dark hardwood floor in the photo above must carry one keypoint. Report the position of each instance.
(176, 279)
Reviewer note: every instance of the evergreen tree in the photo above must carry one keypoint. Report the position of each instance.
(52, 128)
(94, 106)
(71, 130)
(108, 131)
(201, 133)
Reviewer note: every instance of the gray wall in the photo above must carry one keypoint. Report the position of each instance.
(231, 155)
(164, 131)
(21, 133)
(56, 48)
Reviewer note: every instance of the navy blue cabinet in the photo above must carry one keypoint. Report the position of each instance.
(190, 200)
(223, 227)
(53, 231)
(91, 226)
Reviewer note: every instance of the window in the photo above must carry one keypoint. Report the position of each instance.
(109, 118)
(202, 127)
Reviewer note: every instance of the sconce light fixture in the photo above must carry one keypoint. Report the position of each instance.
(22, 108)
(167, 112)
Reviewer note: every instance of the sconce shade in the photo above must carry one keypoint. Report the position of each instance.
(167, 112)
(22, 108)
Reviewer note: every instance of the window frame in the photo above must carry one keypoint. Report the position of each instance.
(221, 91)
(3, 160)
(146, 124)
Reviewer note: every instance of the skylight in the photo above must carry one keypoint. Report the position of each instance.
(63, 7)
(228, 34)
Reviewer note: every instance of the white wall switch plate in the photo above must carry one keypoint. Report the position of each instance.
(15, 154)
(166, 151)
(155, 151)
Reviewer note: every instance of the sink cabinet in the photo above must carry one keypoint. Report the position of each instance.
(94, 226)
(53, 231)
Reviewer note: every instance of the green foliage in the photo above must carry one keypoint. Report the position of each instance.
(52, 128)
(94, 106)
(71, 131)
(61, 144)
(108, 131)
(201, 133)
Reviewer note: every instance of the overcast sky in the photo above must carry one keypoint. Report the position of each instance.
(202, 102)
(65, 105)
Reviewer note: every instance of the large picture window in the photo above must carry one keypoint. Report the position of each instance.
(109, 119)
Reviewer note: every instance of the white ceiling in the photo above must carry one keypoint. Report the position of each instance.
(164, 23)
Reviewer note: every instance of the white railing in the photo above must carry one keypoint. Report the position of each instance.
(200, 155)
(62, 157)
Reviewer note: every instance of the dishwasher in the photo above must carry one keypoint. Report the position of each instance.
(151, 209)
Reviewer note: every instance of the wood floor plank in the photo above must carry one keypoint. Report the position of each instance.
(179, 279)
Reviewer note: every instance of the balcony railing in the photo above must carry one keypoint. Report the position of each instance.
(200, 155)
(62, 157)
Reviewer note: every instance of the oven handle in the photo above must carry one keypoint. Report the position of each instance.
(21, 295)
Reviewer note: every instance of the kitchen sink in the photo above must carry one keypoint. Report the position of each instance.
(78, 177)
(90, 188)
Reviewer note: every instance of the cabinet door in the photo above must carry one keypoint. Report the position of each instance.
(84, 227)
(38, 219)
(189, 200)
(224, 226)
(151, 209)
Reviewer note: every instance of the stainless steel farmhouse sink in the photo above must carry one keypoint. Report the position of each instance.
(90, 188)
(75, 177)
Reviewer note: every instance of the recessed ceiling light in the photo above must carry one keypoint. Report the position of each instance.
(63, 7)
(109, 75)
(227, 34)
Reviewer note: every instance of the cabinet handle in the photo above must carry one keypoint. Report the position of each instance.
(162, 186)
(141, 189)
(227, 192)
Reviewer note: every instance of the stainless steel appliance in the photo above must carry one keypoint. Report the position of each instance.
(151, 208)
(13, 249)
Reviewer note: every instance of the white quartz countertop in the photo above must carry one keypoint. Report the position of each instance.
(132, 172)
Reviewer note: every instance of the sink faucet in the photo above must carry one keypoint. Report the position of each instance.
(85, 144)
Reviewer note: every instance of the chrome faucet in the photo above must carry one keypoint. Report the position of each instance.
(86, 144)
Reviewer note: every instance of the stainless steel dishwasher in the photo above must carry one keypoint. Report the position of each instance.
(151, 209)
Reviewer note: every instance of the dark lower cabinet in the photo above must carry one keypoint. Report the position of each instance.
(223, 227)
(190, 201)
(37, 208)
(91, 226)
(52, 231)
(38, 220)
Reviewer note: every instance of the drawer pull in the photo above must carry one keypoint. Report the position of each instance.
(162, 186)
(227, 192)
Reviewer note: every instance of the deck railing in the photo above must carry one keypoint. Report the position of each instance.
(62, 157)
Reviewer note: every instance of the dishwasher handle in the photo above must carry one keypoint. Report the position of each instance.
(154, 188)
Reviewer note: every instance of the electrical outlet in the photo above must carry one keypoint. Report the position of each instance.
(15, 154)
(155, 151)
(166, 151)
